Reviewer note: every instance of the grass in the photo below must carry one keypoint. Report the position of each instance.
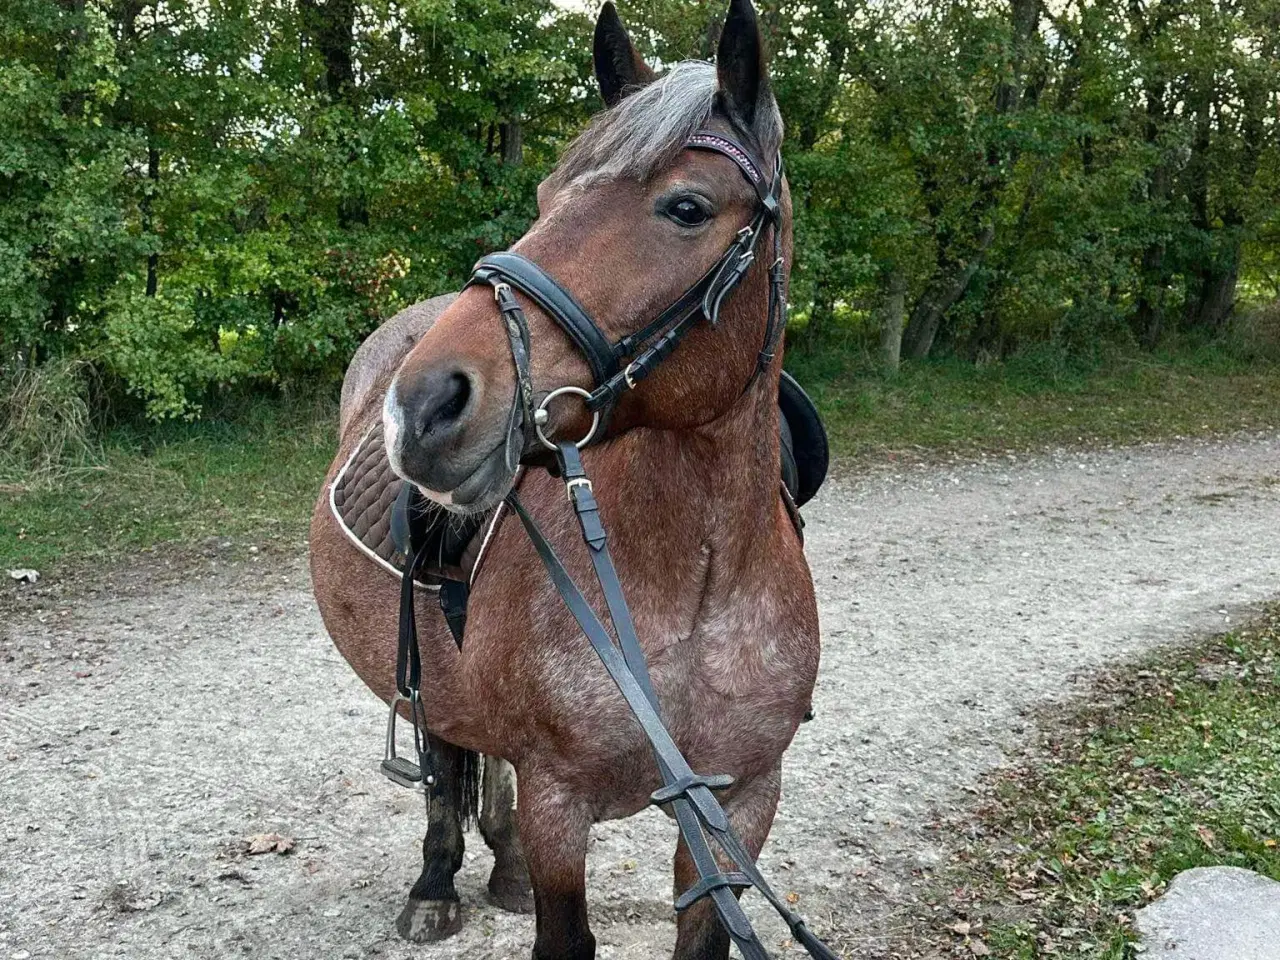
(251, 475)
(1036, 400)
(1179, 768)
(45, 423)
(251, 472)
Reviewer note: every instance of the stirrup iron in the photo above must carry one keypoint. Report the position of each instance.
(402, 770)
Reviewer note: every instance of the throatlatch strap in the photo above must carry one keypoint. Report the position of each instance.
(696, 810)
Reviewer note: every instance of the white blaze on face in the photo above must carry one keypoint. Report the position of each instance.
(392, 427)
(392, 430)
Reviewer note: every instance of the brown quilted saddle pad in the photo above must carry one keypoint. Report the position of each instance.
(362, 496)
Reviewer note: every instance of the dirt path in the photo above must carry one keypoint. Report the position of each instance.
(143, 734)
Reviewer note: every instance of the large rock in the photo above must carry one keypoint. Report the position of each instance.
(1214, 913)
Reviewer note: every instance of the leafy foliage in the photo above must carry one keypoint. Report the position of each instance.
(196, 195)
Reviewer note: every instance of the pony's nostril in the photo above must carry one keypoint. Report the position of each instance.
(459, 391)
(442, 405)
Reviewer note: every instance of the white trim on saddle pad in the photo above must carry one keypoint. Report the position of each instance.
(384, 564)
(498, 513)
(351, 535)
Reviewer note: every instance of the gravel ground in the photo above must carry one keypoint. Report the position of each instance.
(153, 722)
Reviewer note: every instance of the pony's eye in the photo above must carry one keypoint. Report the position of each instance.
(687, 212)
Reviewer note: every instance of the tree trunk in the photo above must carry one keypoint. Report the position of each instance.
(331, 25)
(957, 267)
(511, 135)
(1149, 316)
(148, 197)
(332, 30)
(72, 100)
(1218, 300)
(710, 38)
(948, 286)
(1212, 305)
(1148, 22)
(891, 311)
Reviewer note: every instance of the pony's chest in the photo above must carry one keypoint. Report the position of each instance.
(729, 632)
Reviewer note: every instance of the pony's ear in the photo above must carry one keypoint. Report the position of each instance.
(619, 68)
(741, 66)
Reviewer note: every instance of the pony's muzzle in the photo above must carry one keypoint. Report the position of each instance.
(425, 417)
(443, 436)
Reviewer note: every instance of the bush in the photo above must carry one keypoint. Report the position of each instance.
(1255, 333)
(45, 426)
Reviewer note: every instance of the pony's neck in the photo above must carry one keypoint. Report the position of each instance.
(724, 473)
(746, 442)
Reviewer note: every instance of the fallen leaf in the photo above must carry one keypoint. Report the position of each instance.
(24, 574)
(1207, 836)
(979, 949)
(268, 843)
(961, 927)
(793, 898)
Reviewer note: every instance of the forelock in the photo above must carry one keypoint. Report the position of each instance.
(645, 131)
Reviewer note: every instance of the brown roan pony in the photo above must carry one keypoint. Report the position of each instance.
(686, 472)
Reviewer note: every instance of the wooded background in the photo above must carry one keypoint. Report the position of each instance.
(197, 193)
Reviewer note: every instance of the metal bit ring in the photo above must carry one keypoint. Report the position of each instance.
(541, 415)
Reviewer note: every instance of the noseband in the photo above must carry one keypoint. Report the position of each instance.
(653, 343)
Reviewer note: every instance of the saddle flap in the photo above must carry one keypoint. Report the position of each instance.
(808, 440)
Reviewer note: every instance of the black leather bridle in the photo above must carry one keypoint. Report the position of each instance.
(619, 366)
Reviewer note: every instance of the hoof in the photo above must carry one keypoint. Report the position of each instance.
(513, 894)
(427, 921)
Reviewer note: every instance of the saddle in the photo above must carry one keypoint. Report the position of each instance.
(375, 508)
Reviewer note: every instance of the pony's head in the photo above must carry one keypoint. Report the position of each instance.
(630, 220)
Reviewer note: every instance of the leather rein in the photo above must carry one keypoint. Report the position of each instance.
(689, 795)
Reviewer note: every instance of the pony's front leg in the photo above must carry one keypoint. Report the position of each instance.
(699, 933)
(509, 886)
(554, 828)
(434, 911)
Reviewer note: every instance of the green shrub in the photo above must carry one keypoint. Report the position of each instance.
(45, 426)
(1255, 333)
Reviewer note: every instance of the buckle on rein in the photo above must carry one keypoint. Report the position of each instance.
(402, 770)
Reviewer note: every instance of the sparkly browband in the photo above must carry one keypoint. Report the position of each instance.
(711, 141)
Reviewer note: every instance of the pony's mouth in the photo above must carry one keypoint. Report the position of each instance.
(456, 477)
(482, 489)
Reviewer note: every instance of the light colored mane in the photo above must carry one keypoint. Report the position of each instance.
(644, 132)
